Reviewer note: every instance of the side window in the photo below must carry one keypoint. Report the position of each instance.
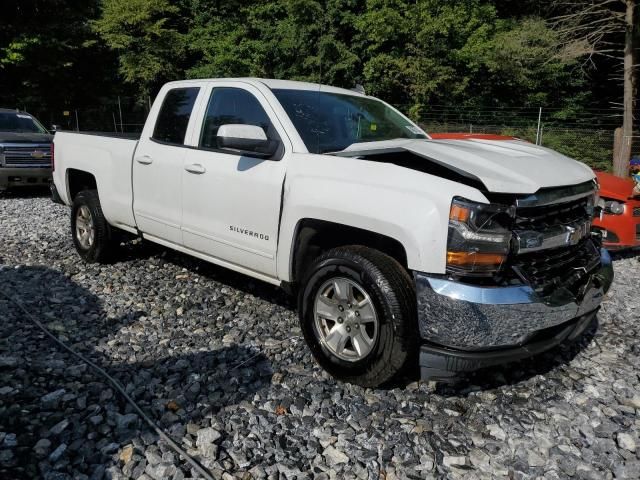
(171, 125)
(232, 105)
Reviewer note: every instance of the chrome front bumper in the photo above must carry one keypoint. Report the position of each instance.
(458, 317)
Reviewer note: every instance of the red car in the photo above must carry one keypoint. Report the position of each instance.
(620, 220)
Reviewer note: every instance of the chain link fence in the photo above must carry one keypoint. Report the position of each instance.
(587, 136)
(119, 115)
(591, 146)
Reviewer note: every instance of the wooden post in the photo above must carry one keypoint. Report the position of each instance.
(617, 144)
(621, 161)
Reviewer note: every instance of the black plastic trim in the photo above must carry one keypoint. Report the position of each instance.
(55, 196)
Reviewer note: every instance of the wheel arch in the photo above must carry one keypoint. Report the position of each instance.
(79, 180)
(314, 236)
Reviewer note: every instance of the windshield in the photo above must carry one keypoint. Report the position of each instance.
(19, 123)
(329, 122)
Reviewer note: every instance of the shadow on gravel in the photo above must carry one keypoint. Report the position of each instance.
(61, 419)
(622, 254)
(229, 278)
(26, 192)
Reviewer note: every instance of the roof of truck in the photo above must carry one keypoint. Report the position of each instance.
(295, 85)
(278, 84)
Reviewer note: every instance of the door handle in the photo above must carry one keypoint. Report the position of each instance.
(144, 159)
(195, 168)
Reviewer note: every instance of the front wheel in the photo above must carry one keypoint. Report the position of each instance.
(92, 235)
(358, 314)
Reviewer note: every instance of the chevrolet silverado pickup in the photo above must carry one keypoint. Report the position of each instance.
(450, 254)
(25, 150)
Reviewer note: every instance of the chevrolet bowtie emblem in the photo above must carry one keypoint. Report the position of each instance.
(37, 154)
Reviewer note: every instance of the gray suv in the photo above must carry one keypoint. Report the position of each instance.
(25, 150)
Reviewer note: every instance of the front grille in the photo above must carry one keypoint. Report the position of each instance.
(27, 162)
(23, 156)
(544, 217)
(636, 211)
(638, 232)
(568, 267)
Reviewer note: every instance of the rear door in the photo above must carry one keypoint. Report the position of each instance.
(231, 202)
(158, 164)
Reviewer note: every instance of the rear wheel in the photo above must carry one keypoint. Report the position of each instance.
(92, 235)
(358, 314)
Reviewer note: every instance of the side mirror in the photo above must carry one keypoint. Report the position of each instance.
(247, 140)
(54, 128)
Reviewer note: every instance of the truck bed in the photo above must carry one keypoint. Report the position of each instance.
(123, 135)
(108, 157)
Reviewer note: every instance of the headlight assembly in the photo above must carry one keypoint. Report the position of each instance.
(614, 208)
(479, 237)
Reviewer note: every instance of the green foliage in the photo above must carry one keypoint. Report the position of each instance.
(48, 55)
(480, 54)
(145, 34)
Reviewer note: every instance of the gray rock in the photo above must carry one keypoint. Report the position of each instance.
(52, 398)
(10, 440)
(161, 471)
(454, 461)
(239, 458)
(124, 422)
(42, 447)
(7, 361)
(334, 456)
(57, 453)
(626, 441)
(59, 427)
(207, 436)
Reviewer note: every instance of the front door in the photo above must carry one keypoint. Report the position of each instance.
(231, 202)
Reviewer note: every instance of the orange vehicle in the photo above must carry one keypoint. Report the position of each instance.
(619, 221)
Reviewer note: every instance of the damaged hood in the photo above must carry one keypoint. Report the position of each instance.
(503, 166)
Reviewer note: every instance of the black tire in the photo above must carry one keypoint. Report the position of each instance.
(392, 293)
(104, 241)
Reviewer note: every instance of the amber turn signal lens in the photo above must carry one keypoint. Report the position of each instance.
(459, 213)
(474, 258)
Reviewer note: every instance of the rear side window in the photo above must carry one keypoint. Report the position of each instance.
(174, 115)
(233, 105)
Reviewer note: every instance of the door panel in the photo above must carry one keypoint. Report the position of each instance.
(231, 203)
(157, 203)
(158, 164)
(231, 210)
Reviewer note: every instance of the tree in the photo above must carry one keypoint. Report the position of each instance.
(49, 54)
(149, 39)
(291, 39)
(460, 54)
(606, 28)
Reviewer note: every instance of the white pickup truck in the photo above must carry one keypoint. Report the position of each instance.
(451, 254)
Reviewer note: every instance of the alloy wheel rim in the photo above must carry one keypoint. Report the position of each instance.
(345, 319)
(85, 229)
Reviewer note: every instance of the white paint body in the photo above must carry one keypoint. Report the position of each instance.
(243, 213)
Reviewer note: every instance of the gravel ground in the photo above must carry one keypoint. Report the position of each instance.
(218, 360)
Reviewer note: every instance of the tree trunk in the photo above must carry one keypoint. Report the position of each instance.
(621, 162)
(617, 143)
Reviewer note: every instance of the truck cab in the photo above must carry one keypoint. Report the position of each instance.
(402, 249)
(25, 150)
